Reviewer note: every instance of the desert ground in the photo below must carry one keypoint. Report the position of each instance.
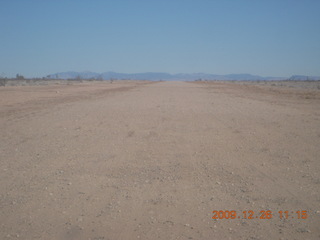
(154, 160)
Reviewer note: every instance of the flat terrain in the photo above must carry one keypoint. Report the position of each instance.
(140, 160)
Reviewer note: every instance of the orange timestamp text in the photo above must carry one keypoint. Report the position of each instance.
(262, 214)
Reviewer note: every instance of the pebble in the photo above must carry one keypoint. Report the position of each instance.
(303, 230)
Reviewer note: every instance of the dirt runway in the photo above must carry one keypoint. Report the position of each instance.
(140, 160)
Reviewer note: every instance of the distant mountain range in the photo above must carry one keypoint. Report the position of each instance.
(155, 76)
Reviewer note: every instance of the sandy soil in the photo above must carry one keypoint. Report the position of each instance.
(137, 160)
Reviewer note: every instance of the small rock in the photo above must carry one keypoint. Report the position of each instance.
(303, 230)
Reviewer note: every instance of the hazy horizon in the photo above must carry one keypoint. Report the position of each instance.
(272, 38)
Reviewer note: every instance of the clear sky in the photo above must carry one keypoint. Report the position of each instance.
(264, 37)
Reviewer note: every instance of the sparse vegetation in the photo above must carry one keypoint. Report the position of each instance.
(3, 81)
(19, 77)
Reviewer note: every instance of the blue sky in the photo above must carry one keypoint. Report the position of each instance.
(267, 38)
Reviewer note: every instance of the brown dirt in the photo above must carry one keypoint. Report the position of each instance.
(133, 160)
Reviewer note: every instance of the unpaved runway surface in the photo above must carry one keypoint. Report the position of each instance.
(154, 160)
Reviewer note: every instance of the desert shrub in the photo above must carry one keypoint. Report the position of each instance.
(19, 77)
(3, 82)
